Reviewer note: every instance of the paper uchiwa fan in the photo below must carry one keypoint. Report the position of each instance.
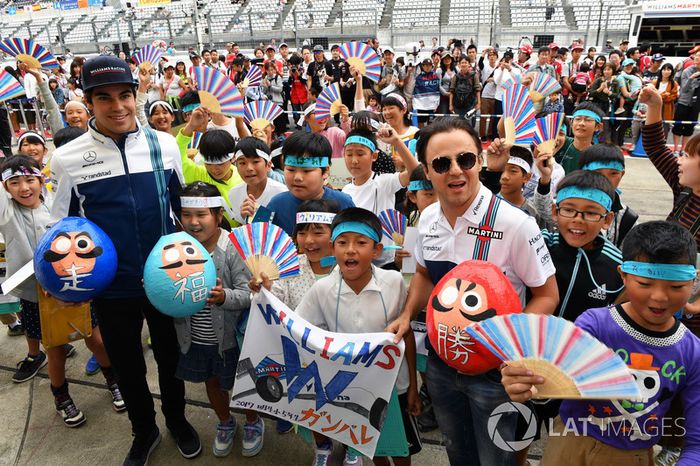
(260, 113)
(393, 225)
(546, 131)
(328, 102)
(518, 115)
(29, 52)
(217, 92)
(543, 85)
(266, 248)
(9, 87)
(148, 57)
(253, 77)
(193, 145)
(363, 57)
(574, 364)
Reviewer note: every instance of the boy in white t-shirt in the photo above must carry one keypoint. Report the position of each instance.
(253, 162)
(372, 191)
(358, 297)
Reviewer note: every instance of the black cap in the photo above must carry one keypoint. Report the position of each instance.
(426, 61)
(318, 48)
(104, 70)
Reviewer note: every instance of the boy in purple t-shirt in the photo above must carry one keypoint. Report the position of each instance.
(658, 270)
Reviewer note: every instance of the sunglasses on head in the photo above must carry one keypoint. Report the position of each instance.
(465, 160)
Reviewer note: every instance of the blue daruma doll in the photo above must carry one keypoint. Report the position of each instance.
(75, 260)
(179, 275)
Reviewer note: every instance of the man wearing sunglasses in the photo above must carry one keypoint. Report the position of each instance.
(470, 222)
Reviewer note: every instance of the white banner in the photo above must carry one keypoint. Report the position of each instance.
(337, 384)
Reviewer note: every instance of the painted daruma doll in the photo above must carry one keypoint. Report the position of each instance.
(75, 260)
(179, 275)
(471, 292)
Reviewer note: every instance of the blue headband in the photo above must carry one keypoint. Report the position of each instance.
(670, 272)
(589, 114)
(599, 164)
(190, 107)
(592, 194)
(354, 227)
(306, 162)
(362, 141)
(419, 185)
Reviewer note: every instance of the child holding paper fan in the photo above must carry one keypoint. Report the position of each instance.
(217, 148)
(312, 235)
(306, 169)
(658, 270)
(369, 190)
(24, 217)
(358, 297)
(208, 345)
(586, 262)
(607, 159)
(252, 161)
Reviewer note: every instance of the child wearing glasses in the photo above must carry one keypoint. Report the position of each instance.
(373, 191)
(658, 270)
(585, 260)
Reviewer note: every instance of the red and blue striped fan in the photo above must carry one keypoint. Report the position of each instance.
(574, 364)
(543, 85)
(393, 225)
(9, 87)
(29, 52)
(328, 102)
(217, 92)
(253, 77)
(363, 57)
(546, 131)
(267, 249)
(148, 56)
(193, 145)
(260, 113)
(518, 115)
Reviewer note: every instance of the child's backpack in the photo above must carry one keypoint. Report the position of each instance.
(464, 91)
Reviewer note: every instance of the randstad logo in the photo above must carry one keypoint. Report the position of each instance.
(514, 444)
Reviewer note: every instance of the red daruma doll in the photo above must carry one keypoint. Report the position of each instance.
(471, 292)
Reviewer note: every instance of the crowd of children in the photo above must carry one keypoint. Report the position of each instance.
(562, 236)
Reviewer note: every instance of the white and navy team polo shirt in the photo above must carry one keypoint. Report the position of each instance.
(490, 229)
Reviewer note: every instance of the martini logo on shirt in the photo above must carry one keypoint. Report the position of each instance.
(485, 232)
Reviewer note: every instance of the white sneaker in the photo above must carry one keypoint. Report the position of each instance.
(223, 443)
(253, 434)
(668, 457)
(323, 456)
(352, 458)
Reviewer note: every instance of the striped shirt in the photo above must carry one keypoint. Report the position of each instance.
(202, 328)
(665, 162)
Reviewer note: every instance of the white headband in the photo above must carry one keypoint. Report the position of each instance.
(315, 217)
(76, 102)
(220, 160)
(276, 152)
(163, 104)
(203, 202)
(260, 153)
(520, 162)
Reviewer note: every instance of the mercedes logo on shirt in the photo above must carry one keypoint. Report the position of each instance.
(90, 156)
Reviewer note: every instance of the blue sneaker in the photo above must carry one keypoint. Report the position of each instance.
(253, 434)
(92, 367)
(284, 427)
(223, 443)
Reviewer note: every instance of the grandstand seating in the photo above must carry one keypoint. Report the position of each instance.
(416, 13)
(469, 12)
(223, 18)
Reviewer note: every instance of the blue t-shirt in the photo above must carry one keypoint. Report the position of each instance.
(285, 206)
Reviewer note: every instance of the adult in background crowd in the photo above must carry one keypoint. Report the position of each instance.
(147, 162)
(688, 104)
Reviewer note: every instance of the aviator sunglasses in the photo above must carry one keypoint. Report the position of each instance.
(465, 160)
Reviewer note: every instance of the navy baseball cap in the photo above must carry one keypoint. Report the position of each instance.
(104, 70)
